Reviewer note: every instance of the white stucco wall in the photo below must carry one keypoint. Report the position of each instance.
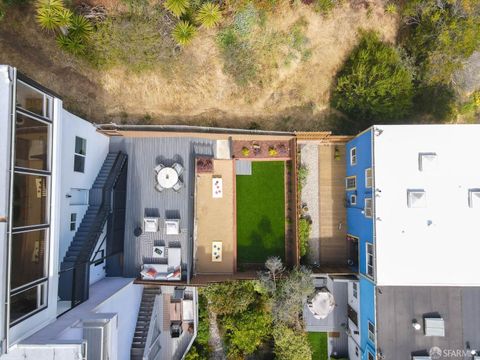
(125, 303)
(97, 150)
(436, 244)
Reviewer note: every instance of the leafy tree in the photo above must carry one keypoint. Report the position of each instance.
(209, 15)
(230, 297)
(183, 33)
(246, 331)
(290, 344)
(375, 84)
(290, 297)
(440, 34)
(177, 7)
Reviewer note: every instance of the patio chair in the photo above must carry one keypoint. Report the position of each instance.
(172, 227)
(178, 168)
(159, 188)
(178, 186)
(158, 168)
(150, 224)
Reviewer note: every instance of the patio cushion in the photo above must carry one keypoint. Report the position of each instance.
(172, 227)
(174, 257)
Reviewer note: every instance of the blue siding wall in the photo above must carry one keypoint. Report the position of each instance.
(360, 226)
(357, 224)
(367, 313)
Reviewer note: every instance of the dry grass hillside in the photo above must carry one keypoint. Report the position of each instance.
(193, 87)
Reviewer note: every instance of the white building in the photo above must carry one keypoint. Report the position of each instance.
(62, 206)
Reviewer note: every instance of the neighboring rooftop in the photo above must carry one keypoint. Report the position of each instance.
(399, 306)
(428, 243)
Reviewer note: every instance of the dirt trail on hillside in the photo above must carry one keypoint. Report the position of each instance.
(195, 90)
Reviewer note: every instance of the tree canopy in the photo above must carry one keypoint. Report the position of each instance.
(375, 84)
(290, 344)
(230, 297)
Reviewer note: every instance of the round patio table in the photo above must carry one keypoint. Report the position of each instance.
(167, 177)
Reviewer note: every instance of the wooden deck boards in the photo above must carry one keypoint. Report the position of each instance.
(331, 177)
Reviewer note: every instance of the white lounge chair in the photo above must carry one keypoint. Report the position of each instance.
(178, 186)
(150, 224)
(178, 168)
(172, 227)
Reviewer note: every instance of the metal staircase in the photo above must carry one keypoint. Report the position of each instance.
(143, 322)
(74, 276)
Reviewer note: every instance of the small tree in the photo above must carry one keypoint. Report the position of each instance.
(375, 84)
(177, 7)
(275, 266)
(290, 344)
(246, 331)
(52, 15)
(183, 32)
(230, 297)
(209, 15)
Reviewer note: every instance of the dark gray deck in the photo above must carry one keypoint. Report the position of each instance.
(397, 306)
(143, 200)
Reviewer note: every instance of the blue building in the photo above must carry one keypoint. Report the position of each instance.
(413, 201)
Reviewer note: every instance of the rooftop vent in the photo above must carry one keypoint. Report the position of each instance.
(416, 198)
(474, 198)
(434, 327)
(426, 161)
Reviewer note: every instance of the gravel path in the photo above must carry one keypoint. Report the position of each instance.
(309, 157)
(215, 341)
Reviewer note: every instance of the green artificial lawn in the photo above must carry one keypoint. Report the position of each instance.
(318, 344)
(261, 212)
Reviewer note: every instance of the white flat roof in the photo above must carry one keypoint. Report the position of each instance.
(438, 243)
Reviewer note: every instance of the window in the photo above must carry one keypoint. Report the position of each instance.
(416, 198)
(29, 200)
(353, 156)
(371, 332)
(73, 222)
(368, 208)
(31, 99)
(353, 199)
(28, 257)
(352, 315)
(355, 290)
(368, 178)
(370, 270)
(31, 143)
(351, 182)
(80, 153)
(27, 302)
(370, 356)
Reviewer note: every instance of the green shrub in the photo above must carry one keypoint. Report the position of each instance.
(440, 34)
(302, 176)
(437, 100)
(177, 7)
(375, 83)
(291, 344)
(209, 15)
(304, 228)
(230, 297)
(52, 15)
(183, 33)
(246, 331)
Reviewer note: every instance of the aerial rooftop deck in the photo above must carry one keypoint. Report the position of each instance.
(144, 200)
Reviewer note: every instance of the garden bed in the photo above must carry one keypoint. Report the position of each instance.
(274, 149)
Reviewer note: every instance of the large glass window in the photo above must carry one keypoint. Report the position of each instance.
(29, 200)
(33, 100)
(370, 263)
(31, 143)
(27, 301)
(28, 257)
(80, 153)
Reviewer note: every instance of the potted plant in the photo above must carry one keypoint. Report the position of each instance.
(272, 151)
(245, 151)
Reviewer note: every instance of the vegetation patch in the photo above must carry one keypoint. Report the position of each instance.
(251, 52)
(375, 84)
(319, 345)
(304, 227)
(261, 212)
